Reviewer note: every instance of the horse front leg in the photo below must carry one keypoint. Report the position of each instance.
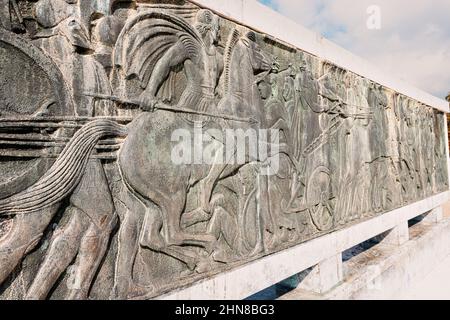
(94, 245)
(171, 244)
(63, 248)
(25, 233)
(172, 208)
(131, 213)
(206, 187)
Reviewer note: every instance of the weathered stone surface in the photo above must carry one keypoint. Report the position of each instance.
(92, 204)
(382, 271)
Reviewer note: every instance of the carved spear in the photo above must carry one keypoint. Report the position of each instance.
(161, 106)
(17, 11)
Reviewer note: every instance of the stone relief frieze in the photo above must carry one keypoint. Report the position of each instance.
(92, 203)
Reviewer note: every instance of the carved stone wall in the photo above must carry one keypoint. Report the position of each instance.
(448, 119)
(91, 203)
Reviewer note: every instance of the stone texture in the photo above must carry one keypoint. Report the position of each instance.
(390, 272)
(398, 235)
(324, 276)
(435, 215)
(92, 203)
(247, 280)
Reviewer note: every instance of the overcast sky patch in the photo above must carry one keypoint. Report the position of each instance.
(413, 42)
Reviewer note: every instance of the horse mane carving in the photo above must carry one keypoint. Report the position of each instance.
(231, 44)
(146, 38)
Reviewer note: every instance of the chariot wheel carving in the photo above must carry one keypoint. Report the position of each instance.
(319, 198)
(39, 89)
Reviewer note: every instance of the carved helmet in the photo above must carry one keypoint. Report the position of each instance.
(58, 17)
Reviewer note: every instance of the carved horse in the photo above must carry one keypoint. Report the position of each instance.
(154, 179)
(156, 188)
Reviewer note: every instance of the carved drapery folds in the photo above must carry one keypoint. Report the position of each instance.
(92, 204)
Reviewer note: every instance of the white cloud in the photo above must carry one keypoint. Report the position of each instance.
(413, 42)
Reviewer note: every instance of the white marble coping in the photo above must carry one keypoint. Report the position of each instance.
(253, 277)
(261, 18)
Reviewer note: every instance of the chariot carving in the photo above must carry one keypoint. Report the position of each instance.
(92, 204)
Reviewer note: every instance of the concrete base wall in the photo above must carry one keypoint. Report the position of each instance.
(387, 271)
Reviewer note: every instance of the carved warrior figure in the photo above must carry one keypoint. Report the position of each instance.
(202, 65)
(48, 92)
(201, 61)
(166, 185)
(275, 90)
(349, 148)
(87, 231)
(66, 39)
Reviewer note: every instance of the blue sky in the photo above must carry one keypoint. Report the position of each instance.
(269, 3)
(413, 42)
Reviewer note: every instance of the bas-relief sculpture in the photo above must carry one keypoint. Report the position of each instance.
(91, 205)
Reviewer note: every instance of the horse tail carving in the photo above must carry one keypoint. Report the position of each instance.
(66, 172)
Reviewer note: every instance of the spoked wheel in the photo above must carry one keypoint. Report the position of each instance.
(319, 199)
(250, 240)
(37, 90)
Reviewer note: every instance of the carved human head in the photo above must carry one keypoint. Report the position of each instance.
(76, 33)
(205, 22)
(348, 80)
(303, 65)
(58, 17)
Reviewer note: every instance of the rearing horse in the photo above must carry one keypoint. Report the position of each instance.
(156, 188)
(154, 179)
